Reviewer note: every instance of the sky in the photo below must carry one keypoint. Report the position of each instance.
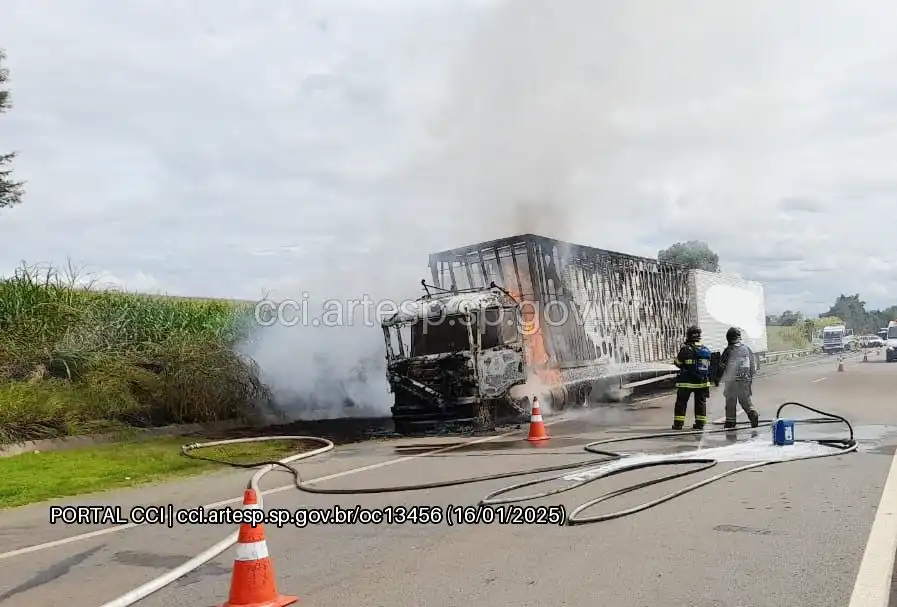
(237, 149)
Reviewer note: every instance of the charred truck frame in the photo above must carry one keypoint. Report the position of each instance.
(564, 319)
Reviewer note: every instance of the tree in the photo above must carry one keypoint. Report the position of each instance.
(789, 318)
(694, 254)
(881, 318)
(853, 310)
(10, 191)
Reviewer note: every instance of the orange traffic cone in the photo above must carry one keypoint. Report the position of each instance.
(252, 584)
(537, 430)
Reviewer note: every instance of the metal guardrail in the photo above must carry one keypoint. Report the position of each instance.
(765, 358)
(769, 357)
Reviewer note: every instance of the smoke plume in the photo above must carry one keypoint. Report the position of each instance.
(537, 103)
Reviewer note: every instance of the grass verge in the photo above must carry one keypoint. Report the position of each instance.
(798, 336)
(34, 477)
(76, 359)
(782, 339)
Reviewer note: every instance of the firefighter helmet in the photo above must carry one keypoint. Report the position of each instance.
(693, 333)
(733, 335)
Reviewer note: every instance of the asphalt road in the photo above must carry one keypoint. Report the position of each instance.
(794, 532)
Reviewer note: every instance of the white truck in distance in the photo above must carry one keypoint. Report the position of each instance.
(837, 339)
(891, 342)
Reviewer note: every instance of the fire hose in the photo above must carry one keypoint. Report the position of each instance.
(838, 447)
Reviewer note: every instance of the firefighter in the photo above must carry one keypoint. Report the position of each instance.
(693, 362)
(737, 369)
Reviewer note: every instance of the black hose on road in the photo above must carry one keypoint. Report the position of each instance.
(839, 447)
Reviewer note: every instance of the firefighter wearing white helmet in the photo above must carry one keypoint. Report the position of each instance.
(737, 369)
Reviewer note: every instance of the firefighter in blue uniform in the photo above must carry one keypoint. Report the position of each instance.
(694, 378)
(737, 369)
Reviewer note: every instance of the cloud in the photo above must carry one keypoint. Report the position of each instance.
(329, 146)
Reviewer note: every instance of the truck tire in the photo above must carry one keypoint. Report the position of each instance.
(557, 398)
(583, 393)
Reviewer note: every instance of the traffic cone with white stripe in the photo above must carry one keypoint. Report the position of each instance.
(537, 430)
(253, 584)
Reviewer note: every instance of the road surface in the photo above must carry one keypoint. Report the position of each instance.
(793, 532)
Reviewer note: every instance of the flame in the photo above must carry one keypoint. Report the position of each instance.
(535, 352)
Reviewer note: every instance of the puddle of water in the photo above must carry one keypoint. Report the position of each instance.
(758, 448)
(872, 433)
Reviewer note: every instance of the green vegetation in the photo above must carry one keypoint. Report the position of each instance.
(850, 308)
(75, 359)
(35, 477)
(781, 339)
(853, 310)
(797, 336)
(10, 190)
(693, 254)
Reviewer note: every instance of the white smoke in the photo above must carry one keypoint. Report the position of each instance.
(540, 100)
(331, 363)
(498, 162)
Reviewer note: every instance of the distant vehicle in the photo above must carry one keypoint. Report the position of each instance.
(891, 343)
(871, 341)
(883, 333)
(837, 339)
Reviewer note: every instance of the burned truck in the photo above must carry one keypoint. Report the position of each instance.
(504, 320)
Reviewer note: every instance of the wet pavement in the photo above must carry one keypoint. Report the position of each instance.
(800, 527)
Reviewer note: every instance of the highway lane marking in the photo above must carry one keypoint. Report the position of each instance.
(101, 532)
(873, 583)
(235, 500)
(816, 381)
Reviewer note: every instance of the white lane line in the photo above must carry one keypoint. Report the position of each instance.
(873, 583)
(235, 500)
(816, 381)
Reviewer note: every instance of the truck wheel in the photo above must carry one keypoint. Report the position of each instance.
(558, 398)
(582, 395)
(403, 427)
(485, 414)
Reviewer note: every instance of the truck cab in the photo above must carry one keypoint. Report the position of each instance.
(453, 357)
(837, 339)
(891, 342)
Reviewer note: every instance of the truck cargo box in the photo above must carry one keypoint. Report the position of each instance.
(568, 323)
(719, 301)
(596, 306)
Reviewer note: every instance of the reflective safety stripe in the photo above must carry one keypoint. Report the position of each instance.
(251, 507)
(535, 418)
(690, 361)
(252, 552)
(694, 386)
(678, 418)
(700, 418)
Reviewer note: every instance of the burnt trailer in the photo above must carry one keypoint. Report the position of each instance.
(528, 315)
